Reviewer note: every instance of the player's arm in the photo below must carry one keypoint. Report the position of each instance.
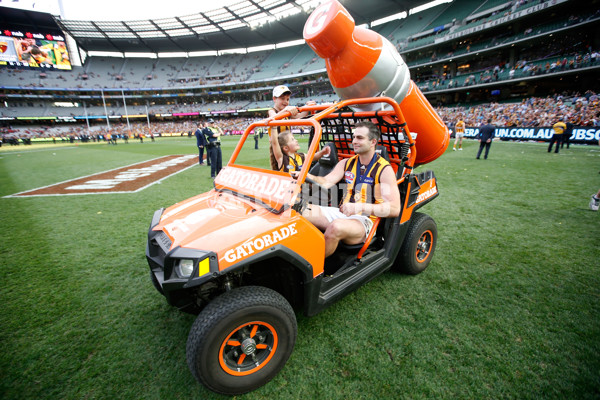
(332, 178)
(323, 152)
(274, 139)
(271, 115)
(305, 114)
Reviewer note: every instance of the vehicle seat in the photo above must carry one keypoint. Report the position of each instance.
(383, 152)
(326, 163)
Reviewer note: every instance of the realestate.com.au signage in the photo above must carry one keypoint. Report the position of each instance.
(580, 134)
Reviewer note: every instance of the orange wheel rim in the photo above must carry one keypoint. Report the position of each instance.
(424, 246)
(248, 348)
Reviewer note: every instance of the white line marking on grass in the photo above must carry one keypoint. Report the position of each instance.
(38, 150)
(16, 195)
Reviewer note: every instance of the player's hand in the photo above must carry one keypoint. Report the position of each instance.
(293, 111)
(349, 209)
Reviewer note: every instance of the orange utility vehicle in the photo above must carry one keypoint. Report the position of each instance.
(245, 260)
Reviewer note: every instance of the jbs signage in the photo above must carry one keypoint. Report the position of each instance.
(579, 134)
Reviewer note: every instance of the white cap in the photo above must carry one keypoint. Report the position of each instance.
(281, 90)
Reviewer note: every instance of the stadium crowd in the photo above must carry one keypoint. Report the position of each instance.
(579, 109)
(497, 70)
(99, 132)
(583, 110)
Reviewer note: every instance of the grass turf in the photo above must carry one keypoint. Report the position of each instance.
(508, 308)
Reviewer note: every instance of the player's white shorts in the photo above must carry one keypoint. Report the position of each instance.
(459, 134)
(332, 213)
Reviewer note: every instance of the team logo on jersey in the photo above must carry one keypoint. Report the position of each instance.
(349, 177)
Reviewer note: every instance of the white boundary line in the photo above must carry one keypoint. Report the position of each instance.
(87, 176)
(7, 153)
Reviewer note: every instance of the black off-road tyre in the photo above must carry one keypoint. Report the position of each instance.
(418, 246)
(241, 340)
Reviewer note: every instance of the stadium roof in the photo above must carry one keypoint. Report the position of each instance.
(248, 23)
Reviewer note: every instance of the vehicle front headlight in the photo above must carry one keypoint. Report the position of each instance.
(185, 268)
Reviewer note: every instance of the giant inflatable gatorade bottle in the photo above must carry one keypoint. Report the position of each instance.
(362, 63)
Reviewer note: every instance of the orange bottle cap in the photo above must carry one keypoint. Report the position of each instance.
(328, 29)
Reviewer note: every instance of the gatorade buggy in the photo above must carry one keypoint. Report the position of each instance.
(243, 257)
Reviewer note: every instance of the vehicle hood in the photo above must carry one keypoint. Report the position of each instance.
(215, 221)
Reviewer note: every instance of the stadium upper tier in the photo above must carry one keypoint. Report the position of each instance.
(238, 24)
(115, 72)
(468, 44)
(47, 109)
(425, 28)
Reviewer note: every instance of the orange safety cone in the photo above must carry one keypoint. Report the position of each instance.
(362, 63)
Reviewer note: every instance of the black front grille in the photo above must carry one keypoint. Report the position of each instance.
(157, 248)
(163, 241)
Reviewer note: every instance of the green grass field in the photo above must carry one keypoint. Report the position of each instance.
(508, 308)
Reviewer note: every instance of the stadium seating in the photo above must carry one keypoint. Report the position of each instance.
(276, 61)
(416, 23)
(102, 72)
(257, 72)
(305, 61)
(234, 67)
(455, 11)
(492, 4)
(136, 71)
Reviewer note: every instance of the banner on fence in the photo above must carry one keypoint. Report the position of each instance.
(579, 134)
